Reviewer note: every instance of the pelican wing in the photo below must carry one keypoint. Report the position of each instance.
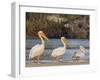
(58, 51)
(79, 53)
(33, 50)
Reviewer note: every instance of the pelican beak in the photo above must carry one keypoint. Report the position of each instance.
(44, 36)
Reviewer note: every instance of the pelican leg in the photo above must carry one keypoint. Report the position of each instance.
(57, 59)
(38, 59)
(61, 57)
(77, 59)
(34, 59)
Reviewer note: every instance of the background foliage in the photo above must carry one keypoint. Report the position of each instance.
(57, 25)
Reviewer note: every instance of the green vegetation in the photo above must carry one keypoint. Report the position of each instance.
(57, 25)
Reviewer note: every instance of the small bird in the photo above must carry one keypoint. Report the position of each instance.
(37, 50)
(79, 54)
(58, 53)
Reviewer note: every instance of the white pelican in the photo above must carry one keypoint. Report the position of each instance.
(37, 50)
(58, 53)
(80, 54)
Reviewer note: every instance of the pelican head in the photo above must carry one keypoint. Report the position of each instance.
(83, 49)
(40, 33)
(64, 40)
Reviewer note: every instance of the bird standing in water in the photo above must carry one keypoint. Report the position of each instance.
(79, 54)
(37, 50)
(58, 53)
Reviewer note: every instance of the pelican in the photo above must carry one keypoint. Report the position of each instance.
(58, 53)
(37, 50)
(80, 53)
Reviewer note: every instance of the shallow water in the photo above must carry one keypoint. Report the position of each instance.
(54, 43)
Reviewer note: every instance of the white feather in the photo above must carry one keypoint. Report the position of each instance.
(58, 52)
(36, 50)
